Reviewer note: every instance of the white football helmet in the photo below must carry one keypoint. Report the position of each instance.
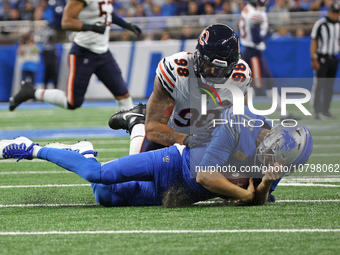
(286, 145)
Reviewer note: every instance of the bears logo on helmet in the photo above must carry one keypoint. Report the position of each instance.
(217, 53)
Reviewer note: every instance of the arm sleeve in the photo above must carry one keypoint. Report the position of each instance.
(118, 20)
(255, 34)
(167, 76)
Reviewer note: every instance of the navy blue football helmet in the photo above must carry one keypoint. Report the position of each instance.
(217, 53)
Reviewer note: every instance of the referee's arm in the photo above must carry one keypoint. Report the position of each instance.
(314, 56)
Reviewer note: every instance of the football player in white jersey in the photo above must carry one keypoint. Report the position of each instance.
(254, 30)
(91, 21)
(253, 33)
(174, 107)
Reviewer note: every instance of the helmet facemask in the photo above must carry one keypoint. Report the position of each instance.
(289, 146)
(216, 71)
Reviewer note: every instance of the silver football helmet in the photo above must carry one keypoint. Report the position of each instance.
(285, 145)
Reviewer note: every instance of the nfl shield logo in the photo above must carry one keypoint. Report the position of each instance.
(166, 159)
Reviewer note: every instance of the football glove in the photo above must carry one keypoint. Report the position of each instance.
(134, 28)
(98, 28)
(198, 139)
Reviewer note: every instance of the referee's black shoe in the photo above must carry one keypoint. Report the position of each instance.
(26, 92)
(126, 119)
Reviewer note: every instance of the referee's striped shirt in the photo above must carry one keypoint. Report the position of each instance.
(327, 32)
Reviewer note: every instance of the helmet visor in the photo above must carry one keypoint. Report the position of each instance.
(213, 70)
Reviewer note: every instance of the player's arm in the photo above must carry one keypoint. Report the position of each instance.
(262, 190)
(313, 47)
(159, 109)
(70, 20)
(259, 29)
(217, 154)
(256, 34)
(216, 183)
(129, 26)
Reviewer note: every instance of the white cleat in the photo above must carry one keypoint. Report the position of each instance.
(19, 148)
(84, 147)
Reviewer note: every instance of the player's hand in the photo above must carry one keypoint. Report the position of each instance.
(273, 173)
(315, 64)
(198, 139)
(269, 34)
(134, 28)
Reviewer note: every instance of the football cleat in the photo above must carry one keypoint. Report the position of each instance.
(19, 148)
(126, 119)
(26, 92)
(84, 147)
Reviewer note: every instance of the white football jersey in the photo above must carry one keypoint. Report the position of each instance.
(177, 76)
(250, 16)
(95, 12)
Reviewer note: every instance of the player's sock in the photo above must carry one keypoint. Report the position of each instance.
(87, 168)
(36, 149)
(53, 96)
(125, 104)
(136, 138)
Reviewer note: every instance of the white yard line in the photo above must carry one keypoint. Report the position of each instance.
(37, 172)
(81, 185)
(297, 184)
(326, 137)
(199, 203)
(184, 231)
(311, 179)
(44, 186)
(315, 146)
(325, 154)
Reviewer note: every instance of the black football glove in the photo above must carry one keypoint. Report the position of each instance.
(198, 139)
(98, 28)
(134, 28)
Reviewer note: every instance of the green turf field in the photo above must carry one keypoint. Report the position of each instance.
(47, 210)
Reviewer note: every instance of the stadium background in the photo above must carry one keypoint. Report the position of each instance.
(138, 61)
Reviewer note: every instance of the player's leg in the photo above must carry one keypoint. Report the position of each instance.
(134, 193)
(318, 90)
(82, 64)
(150, 146)
(133, 121)
(255, 66)
(332, 67)
(110, 74)
(268, 80)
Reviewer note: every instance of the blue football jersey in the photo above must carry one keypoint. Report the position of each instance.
(233, 143)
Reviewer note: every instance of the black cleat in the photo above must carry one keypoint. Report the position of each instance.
(26, 92)
(126, 119)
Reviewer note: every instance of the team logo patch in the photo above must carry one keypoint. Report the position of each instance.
(166, 159)
(289, 142)
(240, 156)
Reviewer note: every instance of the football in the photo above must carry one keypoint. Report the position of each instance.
(239, 179)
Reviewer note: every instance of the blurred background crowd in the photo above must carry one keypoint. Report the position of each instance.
(160, 19)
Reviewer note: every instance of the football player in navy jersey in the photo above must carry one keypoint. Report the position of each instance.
(147, 178)
(91, 21)
(173, 109)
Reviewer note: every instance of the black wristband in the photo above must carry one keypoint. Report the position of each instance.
(100, 29)
(87, 27)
